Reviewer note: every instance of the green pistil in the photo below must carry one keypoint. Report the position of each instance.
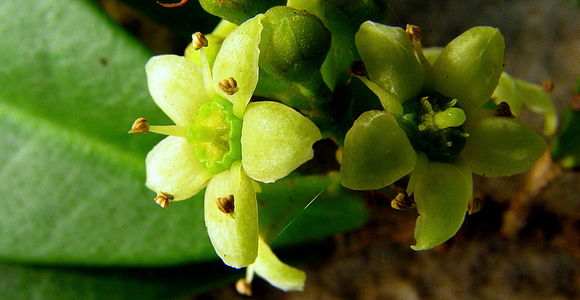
(434, 126)
(215, 134)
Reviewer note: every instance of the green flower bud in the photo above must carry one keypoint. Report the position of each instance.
(294, 43)
(238, 11)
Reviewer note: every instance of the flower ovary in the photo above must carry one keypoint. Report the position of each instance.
(216, 135)
(433, 124)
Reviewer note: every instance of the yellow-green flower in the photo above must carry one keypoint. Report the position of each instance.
(220, 140)
(433, 126)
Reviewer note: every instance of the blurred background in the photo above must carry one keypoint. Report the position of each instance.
(77, 223)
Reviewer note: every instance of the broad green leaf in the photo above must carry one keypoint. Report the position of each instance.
(299, 209)
(72, 180)
(54, 283)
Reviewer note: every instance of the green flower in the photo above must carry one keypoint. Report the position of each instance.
(220, 140)
(433, 126)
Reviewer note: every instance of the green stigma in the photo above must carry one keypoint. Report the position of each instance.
(216, 135)
(433, 124)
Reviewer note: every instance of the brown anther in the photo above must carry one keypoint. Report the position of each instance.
(243, 287)
(163, 199)
(198, 40)
(229, 86)
(226, 204)
(474, 205)
(140, 125)
(357, 68)
(503, 110)
(414, 32)
(548, 86)
(402, 202)
(177, 4)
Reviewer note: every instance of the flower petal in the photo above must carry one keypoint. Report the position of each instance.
(376, 152)
(442, 192)
(506, 92)
(176, 85)
(389, 59)
(470, 66)
(499, 146)
(275, 140)
(432, 53)
(172, 168)
(277, 273)
(234, 235)
(238, 58)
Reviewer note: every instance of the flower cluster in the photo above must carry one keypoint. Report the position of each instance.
(446, 113)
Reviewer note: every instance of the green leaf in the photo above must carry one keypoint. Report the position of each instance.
(299, 209)
(72, 180)
(51, 283)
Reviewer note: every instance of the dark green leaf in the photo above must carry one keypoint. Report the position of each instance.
(52, 283)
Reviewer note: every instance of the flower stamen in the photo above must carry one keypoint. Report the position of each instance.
(140, 125)
(503, 110)
(163, 199)
(243, 287)
(198, 40)
(402, 202)
(226, 204)
(173, 130)
(229, 86)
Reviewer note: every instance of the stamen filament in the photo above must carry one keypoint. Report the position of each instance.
(173, 130)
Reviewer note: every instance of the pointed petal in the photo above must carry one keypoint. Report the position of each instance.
(238, 58)
(376, 152)
(277, 273)
(389, 59)
(176, 86)
(275, 140)
(234, 235)
(442, 192)
(538, 101)
(172, 168)
(506, 92)
(470, 66)
(432, 53)
(499, 146)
